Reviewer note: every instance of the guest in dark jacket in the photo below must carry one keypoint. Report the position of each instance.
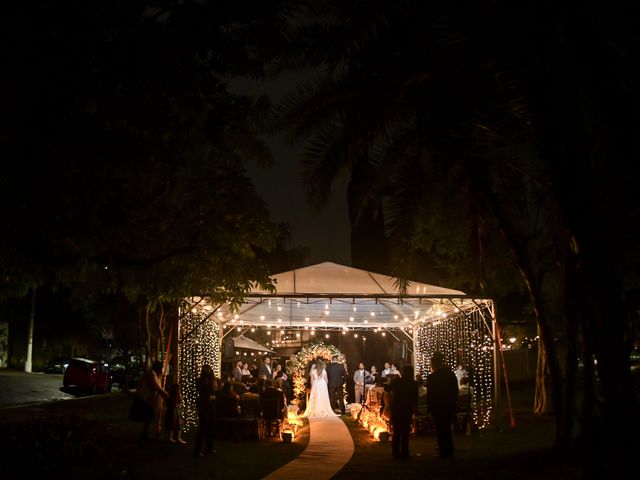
(442, 396)
(206, 392)
(336, 374)
(404, 396)
(273, 394)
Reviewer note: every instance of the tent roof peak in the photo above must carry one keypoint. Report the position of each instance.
(329, 278)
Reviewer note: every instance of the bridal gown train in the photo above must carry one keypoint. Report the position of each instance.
(319, 404)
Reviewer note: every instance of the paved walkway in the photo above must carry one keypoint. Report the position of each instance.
(330, 447)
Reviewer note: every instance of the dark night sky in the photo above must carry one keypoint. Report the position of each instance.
(326, 233)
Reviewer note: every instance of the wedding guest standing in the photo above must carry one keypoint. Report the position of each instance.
(206, 387)
(237, 372)
(375, 376)
(265, 370)
(358, 379)
(173, 419)
(460, 373)
(147, 399)
(442, 396)
(405, 395)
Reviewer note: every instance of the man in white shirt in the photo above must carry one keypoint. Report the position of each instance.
(387, 369)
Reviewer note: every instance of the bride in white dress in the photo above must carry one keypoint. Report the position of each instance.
(319, 405)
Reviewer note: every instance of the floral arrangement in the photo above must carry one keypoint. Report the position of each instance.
(298, 365)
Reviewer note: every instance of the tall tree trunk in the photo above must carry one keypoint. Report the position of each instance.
(617, 445)
(541, 404)
(534, 288)
(32, 317)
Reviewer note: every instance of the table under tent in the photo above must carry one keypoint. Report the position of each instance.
(328, 297)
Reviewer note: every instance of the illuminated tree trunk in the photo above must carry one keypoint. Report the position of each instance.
(150, 352)
(541, 396)
(32, 316)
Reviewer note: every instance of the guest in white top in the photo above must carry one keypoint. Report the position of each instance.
(460, 373)
(387, 370)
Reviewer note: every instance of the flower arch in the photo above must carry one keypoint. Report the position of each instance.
(298, 365)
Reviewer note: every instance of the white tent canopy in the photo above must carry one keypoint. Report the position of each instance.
(337, 297)
(243, 342)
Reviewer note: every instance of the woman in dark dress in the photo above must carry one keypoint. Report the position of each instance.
(206, 394)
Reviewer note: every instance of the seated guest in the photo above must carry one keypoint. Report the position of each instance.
(271, 393)
(261, 385)
(250, 402)
(395, 371)
(227, 402)
(385, 403)
(249, 382)
(238, 387)
(279, 384)
(280, 374)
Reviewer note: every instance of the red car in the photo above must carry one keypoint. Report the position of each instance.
(92, 375)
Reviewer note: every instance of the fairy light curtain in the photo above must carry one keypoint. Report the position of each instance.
(199, 345)
(463, 339)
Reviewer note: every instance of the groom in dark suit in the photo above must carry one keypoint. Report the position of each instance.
(336, 375)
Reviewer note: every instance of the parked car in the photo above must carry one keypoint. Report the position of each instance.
(87, 374)
(126, 372)
(57, 365)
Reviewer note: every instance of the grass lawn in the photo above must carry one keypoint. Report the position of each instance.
(91, 437)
